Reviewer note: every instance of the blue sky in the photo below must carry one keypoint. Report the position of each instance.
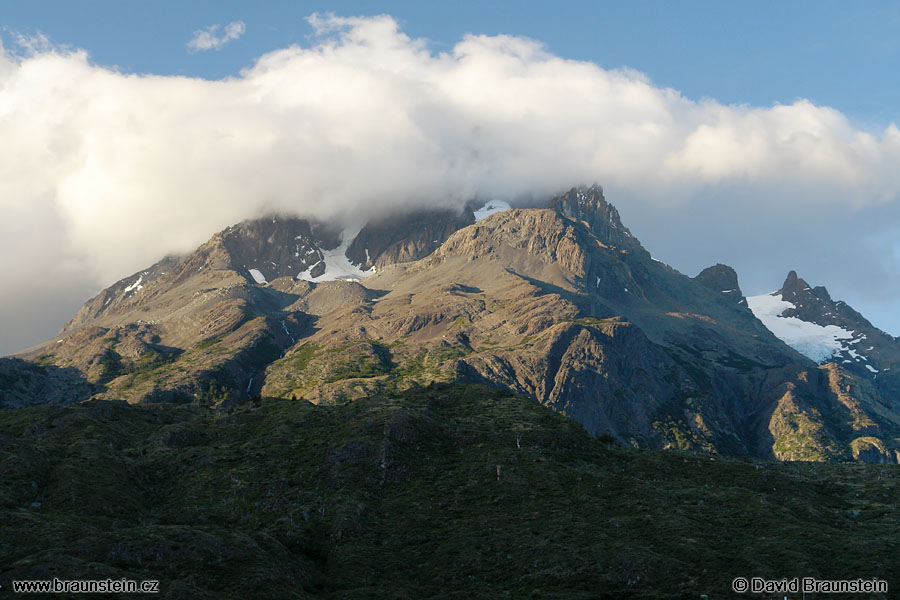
(757, 134)
(839, 54)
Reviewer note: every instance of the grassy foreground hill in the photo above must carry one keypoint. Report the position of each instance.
(442, 492)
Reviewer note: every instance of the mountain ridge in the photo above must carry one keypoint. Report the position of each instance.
(561, 304)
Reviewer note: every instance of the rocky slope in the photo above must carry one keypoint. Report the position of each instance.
(562, 305)
(197, 328)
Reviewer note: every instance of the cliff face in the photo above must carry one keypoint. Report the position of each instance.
(405, 238)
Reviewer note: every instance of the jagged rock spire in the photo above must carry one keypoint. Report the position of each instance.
(589, 205)
(815, 305)
(794, 289)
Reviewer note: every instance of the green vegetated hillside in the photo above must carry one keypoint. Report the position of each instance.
(446, 491)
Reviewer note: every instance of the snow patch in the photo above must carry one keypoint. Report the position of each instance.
(258, 277)
(871, 368)
(492, 207)
(337, 265)
(136, 285)
(816, 342)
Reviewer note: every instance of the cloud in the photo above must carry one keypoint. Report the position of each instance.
(102, 172)
(206, 39)
(30, 44)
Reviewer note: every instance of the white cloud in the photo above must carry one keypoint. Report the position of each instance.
(32, 44)
(206, 39)
(117, 169)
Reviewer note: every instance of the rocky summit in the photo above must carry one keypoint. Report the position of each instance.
(561, 305)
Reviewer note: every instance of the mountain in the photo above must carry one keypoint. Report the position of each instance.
(200, 326)
(561, 304)
(822, 329)
(535, 301)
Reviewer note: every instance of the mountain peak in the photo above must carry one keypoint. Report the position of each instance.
(807, 319)
(589, 205)
(815, 300)
(722, 278)
(796, 287)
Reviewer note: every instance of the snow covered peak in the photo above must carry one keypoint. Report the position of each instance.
(816, 342)
(492, 207)
(806, 318)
